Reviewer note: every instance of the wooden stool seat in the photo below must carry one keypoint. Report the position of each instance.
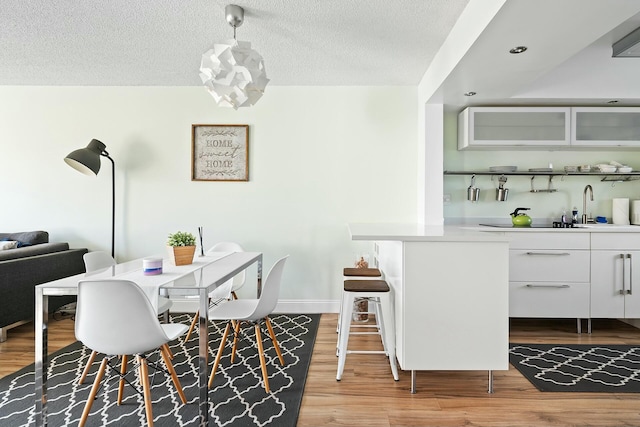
(361, 272)
(366, 286)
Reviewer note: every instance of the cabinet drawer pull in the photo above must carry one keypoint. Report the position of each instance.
(630, 291)
(549, 253)
(547, 286)
(623, 258)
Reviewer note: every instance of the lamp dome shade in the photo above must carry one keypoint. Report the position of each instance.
(86, 160)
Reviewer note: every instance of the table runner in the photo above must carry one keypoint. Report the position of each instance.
(170, 272)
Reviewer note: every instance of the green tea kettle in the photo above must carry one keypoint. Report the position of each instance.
(520, 219)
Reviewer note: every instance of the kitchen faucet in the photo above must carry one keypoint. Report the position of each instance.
(585, 219)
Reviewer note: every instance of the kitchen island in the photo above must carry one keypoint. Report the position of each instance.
(451, 295)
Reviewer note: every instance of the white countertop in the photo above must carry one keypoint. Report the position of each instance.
(588, 228)
(407, 232)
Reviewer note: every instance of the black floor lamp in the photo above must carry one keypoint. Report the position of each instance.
(87, 161)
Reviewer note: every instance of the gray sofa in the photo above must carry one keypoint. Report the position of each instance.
(33, 262)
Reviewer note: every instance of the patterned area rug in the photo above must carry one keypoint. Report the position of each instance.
(237, 397)
(579, 367)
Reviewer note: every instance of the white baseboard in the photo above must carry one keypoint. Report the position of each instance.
(284, 306)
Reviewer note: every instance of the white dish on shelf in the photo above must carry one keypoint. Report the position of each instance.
(607, 168)
(571, 169)
(625, 169)
(503, 168)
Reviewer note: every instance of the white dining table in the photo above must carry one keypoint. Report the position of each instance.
(197, 279)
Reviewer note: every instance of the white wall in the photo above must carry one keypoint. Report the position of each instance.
(544, 206)
(320, 157)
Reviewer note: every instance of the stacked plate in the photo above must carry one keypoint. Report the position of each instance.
(503, 169)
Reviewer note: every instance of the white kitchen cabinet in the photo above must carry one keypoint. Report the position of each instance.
(615, 289)
(505, 127)
(549, 275)
(605, 127)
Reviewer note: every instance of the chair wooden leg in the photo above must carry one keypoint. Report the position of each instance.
(174, 375)
(193, 325)
(168, 349)
(263, 362)
(219, 355)
(92, 394)
(85, 372)
(236, 334)
(234, 295)
(274, 340)
(123, 371)
(146, 388)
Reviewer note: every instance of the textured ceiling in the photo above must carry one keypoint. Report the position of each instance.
(160, 42)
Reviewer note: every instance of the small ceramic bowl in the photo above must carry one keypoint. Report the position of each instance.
(571, 169)
(585, 168)
(625, 169)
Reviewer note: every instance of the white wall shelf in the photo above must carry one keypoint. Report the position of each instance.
(616, 177)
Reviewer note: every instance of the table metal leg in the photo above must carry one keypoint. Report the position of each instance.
(413, 381)
(203, 346)
(41, 363)
(259, 285)
(490, 381)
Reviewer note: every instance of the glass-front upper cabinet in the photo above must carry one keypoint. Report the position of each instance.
(605, 127)
(505, 127)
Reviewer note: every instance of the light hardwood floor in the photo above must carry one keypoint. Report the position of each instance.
(368, 396)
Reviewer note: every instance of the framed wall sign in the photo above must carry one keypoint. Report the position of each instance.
(219, 152)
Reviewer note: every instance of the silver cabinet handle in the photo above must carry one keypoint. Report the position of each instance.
(622, 291)
(529, 285)
(629, 292)
(549, 253)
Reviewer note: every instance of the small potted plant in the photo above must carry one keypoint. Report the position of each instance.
(182, 247)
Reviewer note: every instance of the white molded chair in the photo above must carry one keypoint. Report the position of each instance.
(228, 289)
(134, 331)
(253, 311)
(99, 260)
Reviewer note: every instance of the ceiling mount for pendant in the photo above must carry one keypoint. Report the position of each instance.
(235, 15)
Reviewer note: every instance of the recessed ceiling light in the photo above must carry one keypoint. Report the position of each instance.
(518, 49)
(470, 93)
(613, 101)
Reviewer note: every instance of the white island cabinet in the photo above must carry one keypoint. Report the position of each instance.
(451, 295)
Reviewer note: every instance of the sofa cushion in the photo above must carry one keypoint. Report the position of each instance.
(8, 244)
(27, 251)
(27, 237)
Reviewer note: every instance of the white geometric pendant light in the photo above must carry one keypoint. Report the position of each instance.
(232, 72)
